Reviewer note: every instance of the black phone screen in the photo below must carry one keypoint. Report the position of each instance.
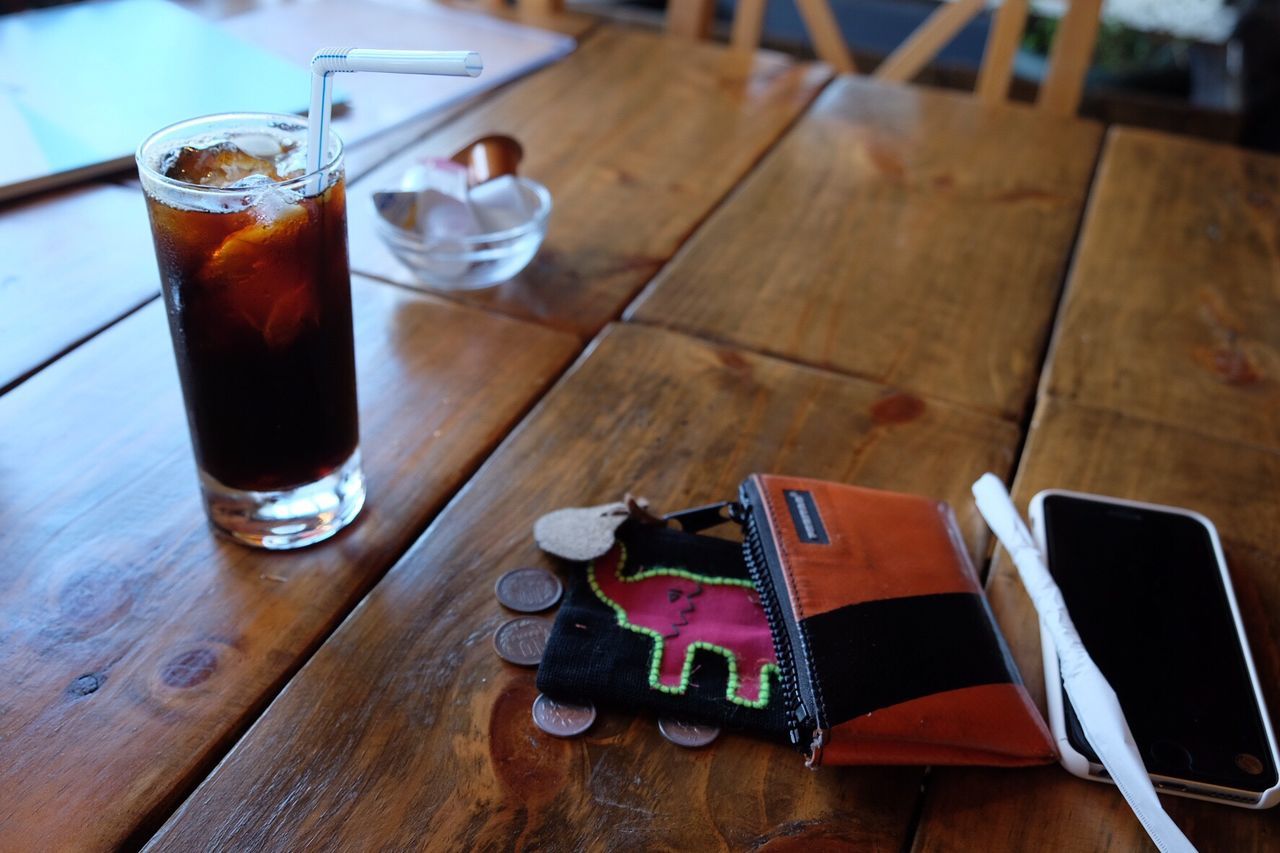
(1144, 590)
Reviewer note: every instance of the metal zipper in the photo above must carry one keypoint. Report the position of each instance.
(802, 723)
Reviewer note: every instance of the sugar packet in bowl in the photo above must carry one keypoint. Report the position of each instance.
(457, 227)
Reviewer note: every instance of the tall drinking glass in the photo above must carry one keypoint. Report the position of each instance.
(253, 263)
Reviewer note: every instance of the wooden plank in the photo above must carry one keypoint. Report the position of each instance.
(637, 136)
(349, 120)
(1070, 57)
(535, 15)
(910, 57)
(541, 8)
(73, 262)
(406, 727)
(898, 234)
(93, 244)
(996, 72)
(1090, 450)
(555, 18)
(373, 152)
(136, 645)
(1171, 311)
(370, 153)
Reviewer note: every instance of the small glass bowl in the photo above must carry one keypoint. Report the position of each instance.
(476, 260)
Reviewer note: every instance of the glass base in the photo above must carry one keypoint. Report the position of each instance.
(293, 518)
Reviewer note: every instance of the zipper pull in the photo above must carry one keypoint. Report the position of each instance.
(814, 759)
(700, 518)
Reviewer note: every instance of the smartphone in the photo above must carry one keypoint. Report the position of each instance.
(1148, 590)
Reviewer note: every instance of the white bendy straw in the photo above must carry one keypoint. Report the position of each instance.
(332, 60)
(1095, 702)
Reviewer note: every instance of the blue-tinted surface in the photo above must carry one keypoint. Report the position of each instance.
(84, 84)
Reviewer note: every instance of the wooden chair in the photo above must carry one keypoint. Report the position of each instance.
(1059, 94)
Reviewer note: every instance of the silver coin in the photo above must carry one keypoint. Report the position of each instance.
(522, 640)
(687, 734)
(528, 590)
(556, 718)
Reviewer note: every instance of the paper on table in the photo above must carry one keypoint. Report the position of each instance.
(434, 201)
(157, 62)
(502, 203)
(1095, 702)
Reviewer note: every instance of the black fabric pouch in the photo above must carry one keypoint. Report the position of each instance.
(667, 621)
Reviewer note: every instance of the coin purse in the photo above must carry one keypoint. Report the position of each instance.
(848, 621)
(670, 622)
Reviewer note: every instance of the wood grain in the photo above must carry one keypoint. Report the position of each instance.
(70, 263)
(136, 646)
(897, 234)
(405, 730)
(540, 8)
(1089, 450)
(1172, 306)
(637, 137)
(544, 14)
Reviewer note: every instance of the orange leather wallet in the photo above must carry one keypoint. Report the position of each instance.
(887, 649)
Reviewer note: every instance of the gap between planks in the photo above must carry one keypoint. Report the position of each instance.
(93, 333)
(151, 824)
(642, 289)
(127, 179)
(1024, 431)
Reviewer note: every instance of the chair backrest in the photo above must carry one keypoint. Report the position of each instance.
(691, 18)
(688, 18)
(1068, 59)
(1059, 93)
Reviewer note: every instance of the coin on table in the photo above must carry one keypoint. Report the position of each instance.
(561, 720)
(687, 734)
(522, 640)
(528, 590)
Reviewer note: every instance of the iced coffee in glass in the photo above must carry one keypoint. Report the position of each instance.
(252, 253)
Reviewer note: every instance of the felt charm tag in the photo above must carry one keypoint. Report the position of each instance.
(585, 533)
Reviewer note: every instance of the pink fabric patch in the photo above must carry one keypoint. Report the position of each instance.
(686, 611)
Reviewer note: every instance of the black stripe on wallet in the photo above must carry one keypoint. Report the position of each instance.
(878, 653)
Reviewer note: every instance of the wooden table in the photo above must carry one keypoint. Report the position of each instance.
(1155, 390)
(840, 279)
(898, 235)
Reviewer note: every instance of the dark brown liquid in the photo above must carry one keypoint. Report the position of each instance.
(261, 321)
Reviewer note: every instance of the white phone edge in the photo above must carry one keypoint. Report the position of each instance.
(1079, 765)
